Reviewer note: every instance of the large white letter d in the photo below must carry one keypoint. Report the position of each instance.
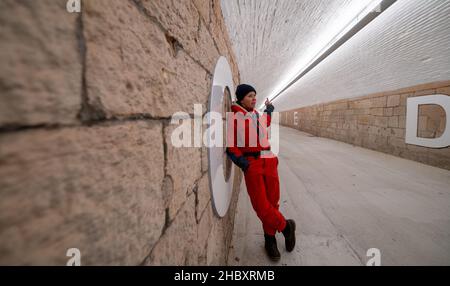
(412, 114)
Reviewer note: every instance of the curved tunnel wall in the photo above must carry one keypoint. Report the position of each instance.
(85, 154)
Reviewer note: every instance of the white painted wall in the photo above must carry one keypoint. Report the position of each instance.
(408, 44)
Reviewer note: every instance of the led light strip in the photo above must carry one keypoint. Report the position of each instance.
(367, 15)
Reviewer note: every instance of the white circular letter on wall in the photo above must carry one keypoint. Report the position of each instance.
(221, 169)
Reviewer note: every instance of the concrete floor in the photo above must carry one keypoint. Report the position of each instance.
(346, 200)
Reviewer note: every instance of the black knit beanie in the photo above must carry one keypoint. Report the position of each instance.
(242, 90)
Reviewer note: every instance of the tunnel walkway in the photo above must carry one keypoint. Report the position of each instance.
(346, 200)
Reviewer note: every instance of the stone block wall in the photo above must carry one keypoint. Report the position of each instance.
(85, 154)
(378, 122)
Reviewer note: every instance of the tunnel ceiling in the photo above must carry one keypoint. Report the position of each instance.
(408, 44)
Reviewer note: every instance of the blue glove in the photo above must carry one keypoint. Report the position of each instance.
(269, 109)
(241, 162)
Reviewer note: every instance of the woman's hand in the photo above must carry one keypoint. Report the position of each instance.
(269, 107)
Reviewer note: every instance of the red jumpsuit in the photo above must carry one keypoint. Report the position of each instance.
(261, 177)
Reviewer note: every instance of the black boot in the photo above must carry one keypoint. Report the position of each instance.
(289, 235)
(271, 247)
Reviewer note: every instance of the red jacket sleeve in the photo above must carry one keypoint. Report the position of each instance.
(235, 149)
(267, 117)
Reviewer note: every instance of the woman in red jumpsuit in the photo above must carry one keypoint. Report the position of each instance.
(253, 156)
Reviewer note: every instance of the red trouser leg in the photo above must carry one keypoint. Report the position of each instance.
(263, 188)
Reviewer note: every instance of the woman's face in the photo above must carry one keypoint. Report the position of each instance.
(249, 101)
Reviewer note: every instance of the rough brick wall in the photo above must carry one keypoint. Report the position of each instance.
(85, 154)
(378, 122)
